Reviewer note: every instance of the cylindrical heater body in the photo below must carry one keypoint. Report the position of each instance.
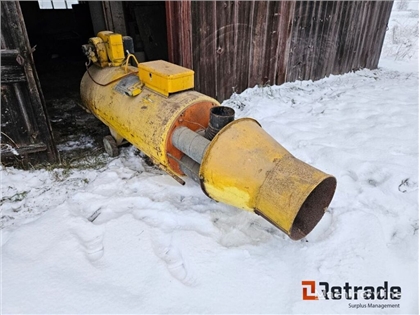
(147, 120)
(241, 166)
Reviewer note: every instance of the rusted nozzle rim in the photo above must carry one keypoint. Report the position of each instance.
(313, 208)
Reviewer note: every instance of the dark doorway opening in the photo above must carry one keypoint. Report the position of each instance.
(57, 35)
(146, 24)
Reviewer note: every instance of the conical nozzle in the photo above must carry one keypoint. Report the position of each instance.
(245, 167)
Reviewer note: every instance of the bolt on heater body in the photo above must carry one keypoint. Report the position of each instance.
(184, 132)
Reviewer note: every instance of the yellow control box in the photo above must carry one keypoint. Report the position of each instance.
(165, 77)
(114, 47)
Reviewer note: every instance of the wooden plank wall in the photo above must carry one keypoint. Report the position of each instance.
(335, 37)
(25, 124)
(179, 32)
(238, 44)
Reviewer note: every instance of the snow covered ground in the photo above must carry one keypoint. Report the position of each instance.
(123, 237)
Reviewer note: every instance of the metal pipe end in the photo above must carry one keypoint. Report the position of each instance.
(220, 116)
(313, 208)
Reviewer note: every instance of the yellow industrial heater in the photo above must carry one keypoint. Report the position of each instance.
(154, 107)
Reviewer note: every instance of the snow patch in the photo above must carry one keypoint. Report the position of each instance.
(127, 238)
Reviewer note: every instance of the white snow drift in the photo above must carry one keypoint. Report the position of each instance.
(126, 238)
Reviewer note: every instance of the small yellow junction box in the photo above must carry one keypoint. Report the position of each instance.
(165, 78)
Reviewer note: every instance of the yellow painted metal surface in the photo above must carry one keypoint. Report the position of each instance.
(144, 120)
(101, 57)
(246, 168)
(165, 77)
(242, 166)
(114, 47)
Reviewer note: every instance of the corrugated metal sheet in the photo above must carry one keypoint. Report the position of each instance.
(238, 44)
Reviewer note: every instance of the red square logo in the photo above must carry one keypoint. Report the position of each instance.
(308, 290)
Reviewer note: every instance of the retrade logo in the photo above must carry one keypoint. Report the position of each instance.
(309, 291)
(349, 292)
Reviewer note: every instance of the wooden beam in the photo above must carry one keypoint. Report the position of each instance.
(15, 37)
(114, 16)
(32, 148)
(11, 70)
(178, 23)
